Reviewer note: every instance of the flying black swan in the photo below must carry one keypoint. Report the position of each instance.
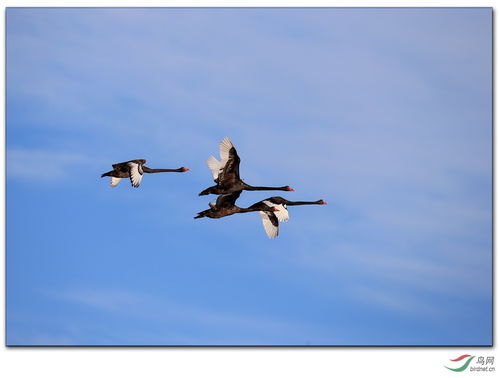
(271, 220)
(225, 205)
(226, 173)
(134, 169)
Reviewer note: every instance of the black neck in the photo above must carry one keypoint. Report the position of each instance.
(296, 203)
(247, 210)
(249, 187)
(150, 170)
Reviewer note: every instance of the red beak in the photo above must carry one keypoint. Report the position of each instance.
(324, 202)
(186, 169)
(291, 189)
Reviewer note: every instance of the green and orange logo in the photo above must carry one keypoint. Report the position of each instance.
(466, 357)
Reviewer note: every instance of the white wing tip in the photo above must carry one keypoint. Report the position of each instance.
(271, 230)
(282, 214)
(114, 181)
(212, 160)
(225, 146)
(214, 165)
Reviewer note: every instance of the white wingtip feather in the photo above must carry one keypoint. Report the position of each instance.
(115, 181)
(271, 230)
(135, 175)
(215, 166)
(282, 214)
(225, 146)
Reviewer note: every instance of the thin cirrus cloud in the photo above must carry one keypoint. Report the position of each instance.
(398, 302)
(170, 312)
(43, 165)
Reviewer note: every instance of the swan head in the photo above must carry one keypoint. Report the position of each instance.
(322, 202)
(183, 169)
(289, 189)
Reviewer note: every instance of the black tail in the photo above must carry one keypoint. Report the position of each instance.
(204, 213)
(106, 174)
(207, 191)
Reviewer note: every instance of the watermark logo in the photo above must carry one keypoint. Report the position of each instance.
(464, 365)
(481, 364)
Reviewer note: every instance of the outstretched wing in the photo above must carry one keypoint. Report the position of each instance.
(230, 171)
(135, 174)
(270, 223)
(217, 167)
(227, 200)
(225, 146)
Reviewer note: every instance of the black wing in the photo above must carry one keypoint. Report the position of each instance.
(227, 200)
(277, 200)
(262, 206)
(230, 171)
(273, 218)
(270, 223)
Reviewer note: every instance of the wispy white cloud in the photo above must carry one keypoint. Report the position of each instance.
(40, 338)
(397, 301)
(167, 313)
(43, 165)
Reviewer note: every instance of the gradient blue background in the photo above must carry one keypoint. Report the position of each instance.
(384, 113)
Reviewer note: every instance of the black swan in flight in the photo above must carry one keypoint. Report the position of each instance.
(225, 205)
(134, 169)
(271, 220)
(226, 173)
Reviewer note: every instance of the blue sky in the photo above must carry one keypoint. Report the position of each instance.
(384, 113)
